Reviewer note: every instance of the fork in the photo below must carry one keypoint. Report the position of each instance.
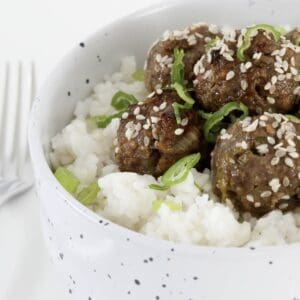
(18, 93)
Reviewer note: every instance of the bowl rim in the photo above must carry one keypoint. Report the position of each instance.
(42, 169)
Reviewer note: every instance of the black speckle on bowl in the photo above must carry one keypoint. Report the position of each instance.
(137, 282)
(69, 93)
(82, 45)
(81, 236)
(87, 81)
(61, 255)
(70, 291)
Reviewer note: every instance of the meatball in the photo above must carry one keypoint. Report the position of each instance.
(267, 80)
(293, 35)
(256, 164)
(160, 58)
(149, 138)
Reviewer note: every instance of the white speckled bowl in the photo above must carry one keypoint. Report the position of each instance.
(101, 260)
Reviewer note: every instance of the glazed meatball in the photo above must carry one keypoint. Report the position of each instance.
(160, 58)
(267, 80)
(293, 35)
(149, 138)
(256, 164)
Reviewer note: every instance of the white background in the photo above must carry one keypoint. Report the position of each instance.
(41, 31)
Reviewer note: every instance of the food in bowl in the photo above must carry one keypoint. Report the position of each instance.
(201, 147)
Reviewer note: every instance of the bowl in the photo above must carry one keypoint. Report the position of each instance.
(101, 260)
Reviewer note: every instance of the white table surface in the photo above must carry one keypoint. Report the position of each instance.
(41, 31)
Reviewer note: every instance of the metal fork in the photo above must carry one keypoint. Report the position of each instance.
(19, 88)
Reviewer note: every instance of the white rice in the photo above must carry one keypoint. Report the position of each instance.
(126, 199)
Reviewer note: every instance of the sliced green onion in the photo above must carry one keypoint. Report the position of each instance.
(177, 83)
(177, 107)
(67, 179)
(177, 70)
(122, 100)
(138, 75)
(247, 38)
(182, 93)
(204, 115)
(210, 130)
(212, 43)
(88, 195)
(293, 118)
(178, 172)
(103, 121)
(158, 187)
(173, 206)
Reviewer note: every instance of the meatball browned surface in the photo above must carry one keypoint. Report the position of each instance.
(256, 164)
(267, 80)
(150, 140)
(160, 58)
(293, 35)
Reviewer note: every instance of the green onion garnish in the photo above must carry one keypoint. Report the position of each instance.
(67, 179)
(212, 43)
(138, 75)
(122, 100)
(293, 118)
(177, 107)
(211, 126)
(183, 94)
(177, 71)
(88, 195)
(178, 172)
(248, 36)
(177, 83)
(173, 206)
(205, 115)
(103, 121)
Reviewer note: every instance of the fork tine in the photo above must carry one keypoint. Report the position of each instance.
(18, 122)
(32, 96)
(3, 119)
